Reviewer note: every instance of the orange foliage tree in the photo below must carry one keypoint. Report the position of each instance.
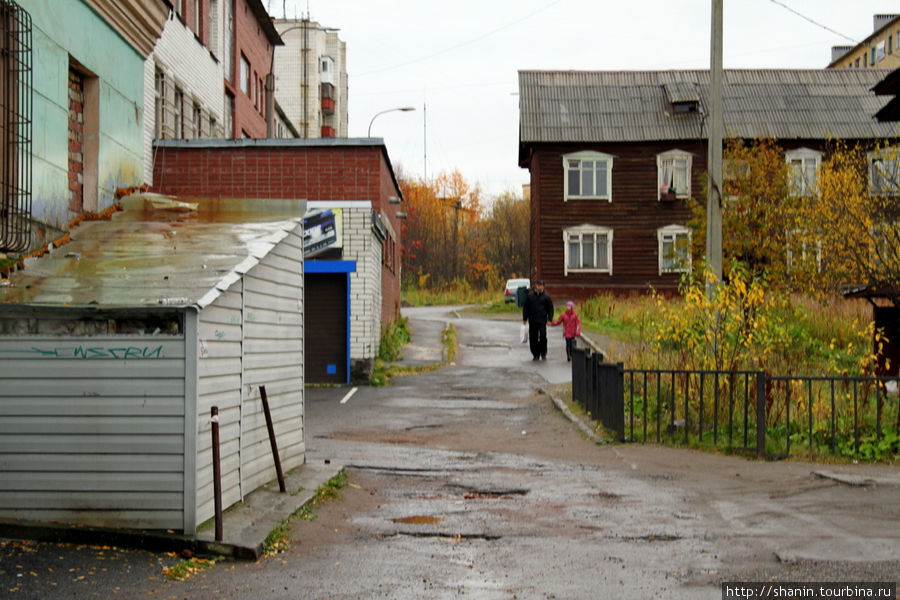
(449, 237)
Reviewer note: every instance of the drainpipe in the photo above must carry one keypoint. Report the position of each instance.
(270, 103)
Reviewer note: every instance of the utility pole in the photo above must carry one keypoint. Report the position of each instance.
(457, 206)
(716, 128)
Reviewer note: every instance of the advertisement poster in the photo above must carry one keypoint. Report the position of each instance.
(322, 230)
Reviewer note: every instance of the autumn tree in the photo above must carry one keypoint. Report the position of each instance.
(441, 241)
(810, 231)
(505, 230)
(857, 218)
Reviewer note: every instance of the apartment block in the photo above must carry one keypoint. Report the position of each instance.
(881, 50)
(311, 78)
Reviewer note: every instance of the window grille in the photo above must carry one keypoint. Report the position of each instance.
(15, 127)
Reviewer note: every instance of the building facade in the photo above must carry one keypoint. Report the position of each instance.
(615, 156)
(881, 50)
(351, 183)
(248, 57)
(183, 78)
(311, 78)
(87, 103)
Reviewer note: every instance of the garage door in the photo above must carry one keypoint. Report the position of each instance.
(326, 328)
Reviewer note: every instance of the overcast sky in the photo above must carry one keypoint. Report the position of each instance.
(457, 61)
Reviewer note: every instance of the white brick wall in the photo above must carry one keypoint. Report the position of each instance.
(361, 245)
(188, 65)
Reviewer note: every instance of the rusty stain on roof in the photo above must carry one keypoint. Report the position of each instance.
(160, 251)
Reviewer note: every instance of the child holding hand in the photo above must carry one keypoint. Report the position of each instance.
(571, 327)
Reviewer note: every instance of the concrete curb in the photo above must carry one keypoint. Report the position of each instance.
(245, 526)
(590, 433)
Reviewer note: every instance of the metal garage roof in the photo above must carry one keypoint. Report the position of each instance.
(630, 106)
(158, 252)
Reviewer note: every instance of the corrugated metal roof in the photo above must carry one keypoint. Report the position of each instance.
(148, 256)
(630, 106)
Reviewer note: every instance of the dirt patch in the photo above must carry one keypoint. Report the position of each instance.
(334, 519)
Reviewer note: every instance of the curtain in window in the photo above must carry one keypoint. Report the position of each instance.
(574, 252)
(667, 182)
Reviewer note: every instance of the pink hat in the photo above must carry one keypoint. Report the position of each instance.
(570, 303)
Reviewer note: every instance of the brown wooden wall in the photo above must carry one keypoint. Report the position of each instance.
(634, 215)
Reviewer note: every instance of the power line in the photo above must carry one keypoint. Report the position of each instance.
(816, 23)
(461, 44)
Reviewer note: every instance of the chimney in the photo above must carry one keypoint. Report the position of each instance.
(838, 52)
(882, 20)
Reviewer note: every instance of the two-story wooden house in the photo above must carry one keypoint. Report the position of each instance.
(613, 155)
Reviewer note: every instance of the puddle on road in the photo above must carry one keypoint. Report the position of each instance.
(418, 520)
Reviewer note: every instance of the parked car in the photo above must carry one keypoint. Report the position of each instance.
(509, 292)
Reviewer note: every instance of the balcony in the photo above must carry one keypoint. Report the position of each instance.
(327, 132)
(328, 106)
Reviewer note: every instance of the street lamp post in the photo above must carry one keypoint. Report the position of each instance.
(399, 108)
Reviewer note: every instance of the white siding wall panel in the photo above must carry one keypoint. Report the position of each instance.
(187, 64)
(93, 422)
(219, 368)
(254, 336)
(273, 334)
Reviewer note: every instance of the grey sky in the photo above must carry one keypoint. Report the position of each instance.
(460, 60)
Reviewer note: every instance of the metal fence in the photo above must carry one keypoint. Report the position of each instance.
(830, 415)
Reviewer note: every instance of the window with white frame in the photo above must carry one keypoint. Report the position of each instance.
(588, 175)
(159, 104)
(801, 250)
(803, 165)
(179, 113)
(673, 174)
(674, 243)
(588, 248)
(884, 171)
(327, 69)
(245, 75)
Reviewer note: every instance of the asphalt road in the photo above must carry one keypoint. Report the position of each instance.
(467, 482)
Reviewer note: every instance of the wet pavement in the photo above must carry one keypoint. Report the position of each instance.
(468, 482)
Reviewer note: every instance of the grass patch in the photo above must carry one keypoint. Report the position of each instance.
(450, 342)
(450, 295)
(384, 370)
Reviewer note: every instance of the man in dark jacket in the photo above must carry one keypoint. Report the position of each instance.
(537, 310)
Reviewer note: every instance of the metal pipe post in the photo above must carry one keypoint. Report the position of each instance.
(272, 442)
(217, 471)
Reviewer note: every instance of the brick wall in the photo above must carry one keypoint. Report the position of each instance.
(327, 173)
(255, 171)
(250, 40)
(76, 140)
(361, 245)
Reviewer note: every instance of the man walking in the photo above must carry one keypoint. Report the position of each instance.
(537, 310)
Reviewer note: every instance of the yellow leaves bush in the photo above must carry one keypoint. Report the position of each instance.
(744, 324)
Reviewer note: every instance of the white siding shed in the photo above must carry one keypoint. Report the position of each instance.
(114, 348)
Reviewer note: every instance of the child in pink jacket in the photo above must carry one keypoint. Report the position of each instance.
(571, 327)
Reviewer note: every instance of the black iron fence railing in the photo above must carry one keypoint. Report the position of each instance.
(742, 411)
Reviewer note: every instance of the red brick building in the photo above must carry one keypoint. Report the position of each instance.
(352, 177)
(250, 40)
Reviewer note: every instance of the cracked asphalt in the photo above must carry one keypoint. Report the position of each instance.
(467, 482)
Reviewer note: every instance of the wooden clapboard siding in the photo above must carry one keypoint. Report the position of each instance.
(634, 215)
(99, 440)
